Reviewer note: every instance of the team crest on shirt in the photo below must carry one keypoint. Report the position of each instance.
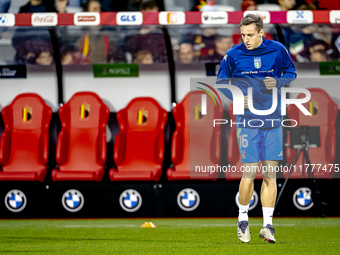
(225, 57)
(257, 62)
(244, 155)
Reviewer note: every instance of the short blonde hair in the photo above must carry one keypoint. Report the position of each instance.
(252, 19)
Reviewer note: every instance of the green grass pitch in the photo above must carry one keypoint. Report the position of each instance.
(172, 236)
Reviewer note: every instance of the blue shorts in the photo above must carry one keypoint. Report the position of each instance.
(260, 144)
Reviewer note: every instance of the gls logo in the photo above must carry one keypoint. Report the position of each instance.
(129, 18)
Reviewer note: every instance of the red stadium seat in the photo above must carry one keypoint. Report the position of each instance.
(81, 145)
(195, 142)
(24, 143)
(234, 156)
(139, 146)
(324, 111)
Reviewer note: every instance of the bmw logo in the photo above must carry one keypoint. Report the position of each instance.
(253, 201)
(72, 200)
(302, 198)
(15, 200)
(130, 200)
(188, 199)
(3, 19)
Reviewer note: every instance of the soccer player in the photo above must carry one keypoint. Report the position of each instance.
(262, 65)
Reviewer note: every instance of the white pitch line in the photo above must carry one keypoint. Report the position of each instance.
(225, 225)
(165, 225)
(95, 226)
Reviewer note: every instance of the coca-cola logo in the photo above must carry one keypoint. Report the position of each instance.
(86, 18)
(46, 19)
(49, 19)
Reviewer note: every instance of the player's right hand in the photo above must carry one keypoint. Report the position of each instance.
(269, 82)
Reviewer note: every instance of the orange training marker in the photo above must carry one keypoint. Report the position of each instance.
(148, 225)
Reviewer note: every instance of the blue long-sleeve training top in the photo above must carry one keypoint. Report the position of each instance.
(248, 68)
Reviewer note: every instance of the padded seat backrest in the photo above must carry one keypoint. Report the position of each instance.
(140, 142)
(196, 142)
(24, 143)
(83, 120)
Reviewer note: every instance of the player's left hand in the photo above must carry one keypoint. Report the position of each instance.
(270, 82)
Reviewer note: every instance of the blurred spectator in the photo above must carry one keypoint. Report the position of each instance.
(127, 5)
(209, 31)
(113, 5)
(297, 42)
(93, 46)
(35, 50)
(186, 53)
(152, 42)
(36, 6)
(248, 5)
(148, 6)
(92, 6)
(300, 38)
(319, 32)
(143, 57)
(222, 45)
(306, 5)
(318, 51)
(149, 39)
(44, 58)
(97, 48)
(203, 44)
(61, 5)
(4, 5)
(116, 54)
(135, 5)
(286, 5)
(69, 54)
